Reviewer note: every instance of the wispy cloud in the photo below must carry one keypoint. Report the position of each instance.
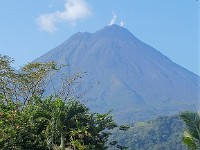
(113, 20)
(74, 10)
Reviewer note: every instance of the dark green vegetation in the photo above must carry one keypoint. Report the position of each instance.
(192, 133)
(28, 120)
(50, 124)
(163, 133)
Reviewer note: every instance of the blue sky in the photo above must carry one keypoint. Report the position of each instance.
(30, 28)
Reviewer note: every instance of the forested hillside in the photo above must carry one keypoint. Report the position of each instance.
(163, 133)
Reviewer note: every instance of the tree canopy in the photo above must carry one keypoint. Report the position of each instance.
(29, 120)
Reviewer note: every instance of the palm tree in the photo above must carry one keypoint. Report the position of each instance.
(61, 120)
(191, 136)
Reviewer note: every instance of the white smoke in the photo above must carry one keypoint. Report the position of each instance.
(113, 20)
(122, 23)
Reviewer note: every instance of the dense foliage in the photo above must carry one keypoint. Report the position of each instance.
(163, 133)
(192, 133)
(49, 123)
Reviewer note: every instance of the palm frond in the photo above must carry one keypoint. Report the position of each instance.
(191, 136)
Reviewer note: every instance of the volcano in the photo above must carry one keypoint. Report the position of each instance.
(136, 81)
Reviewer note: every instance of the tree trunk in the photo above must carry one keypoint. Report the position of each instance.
(62, 141)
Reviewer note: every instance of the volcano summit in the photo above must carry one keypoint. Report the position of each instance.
(136, 81)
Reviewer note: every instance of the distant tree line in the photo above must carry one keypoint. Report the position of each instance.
(177, 132)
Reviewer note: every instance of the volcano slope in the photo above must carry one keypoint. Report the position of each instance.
(136, 81)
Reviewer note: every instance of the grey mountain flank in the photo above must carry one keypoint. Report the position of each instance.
(136, 81)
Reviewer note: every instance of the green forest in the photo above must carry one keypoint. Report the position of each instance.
(162, 133)
(30, 120)
(177, 132)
